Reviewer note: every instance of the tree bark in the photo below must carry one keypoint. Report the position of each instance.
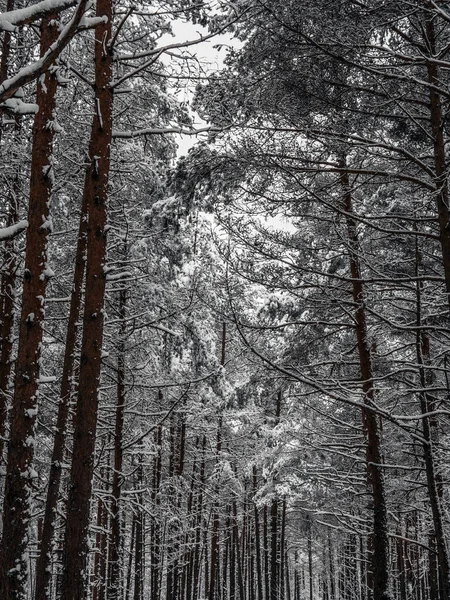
(259, 574)
(380, 556)
(20, 473)
(115, 580)
(139, 559)
(274, 550)
(74, 583)
(43, 566)
(426, 406)
(440, 163)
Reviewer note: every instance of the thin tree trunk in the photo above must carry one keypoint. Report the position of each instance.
(139, 560)
(198, 527)
(282, 545)
(274, 550)
(437, 122)
(266, 553)
(288, 575)
(380, 556)
(99, 580)
(130, 558)
(426, 406)
(238, 561)
(43, 566)
(215, 518)
(96, 188)
(155, 552)
(331, 569)
(115, 579)
(171, 566)
(20, 473)
(259, 575)
(215, 521)
(310, 561)
(226, 556)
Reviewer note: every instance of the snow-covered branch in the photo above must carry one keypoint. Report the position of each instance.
(7, 233)
(30, 72)
(13, 18)
(163, 130)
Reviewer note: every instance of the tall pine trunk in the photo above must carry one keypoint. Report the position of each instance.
(426, 406)
(20, 473)
(43, 566)
(380, 555)
(74, 582)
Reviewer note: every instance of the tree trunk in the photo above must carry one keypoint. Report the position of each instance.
(99, 580)
(440, 163)
(115, 566)
(130, 558)
(139, 559)
(96, 189)
(266, 554)
(215, 521)
(427, 406)
(238, 561)
(155, 528)
(20, 473)
(43, 566)
(198, 527)
(310, 561)
(380, 556)
(282, 546)
(274, 550)
(259, 575)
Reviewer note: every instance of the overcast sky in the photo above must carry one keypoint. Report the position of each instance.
(208, 54)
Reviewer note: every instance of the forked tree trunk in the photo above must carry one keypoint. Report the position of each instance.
(74, 582)
(43, 566)
(380, 555)
(20, 473)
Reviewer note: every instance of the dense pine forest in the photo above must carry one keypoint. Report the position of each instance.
(225, 375)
